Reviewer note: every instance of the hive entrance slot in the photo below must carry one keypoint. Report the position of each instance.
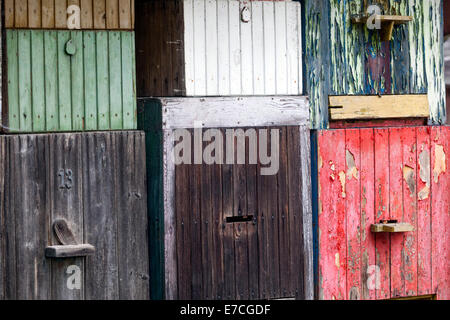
(237, 219)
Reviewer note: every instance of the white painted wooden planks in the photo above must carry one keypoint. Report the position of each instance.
(226, 56)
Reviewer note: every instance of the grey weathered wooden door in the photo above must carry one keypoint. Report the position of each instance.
(94, 181)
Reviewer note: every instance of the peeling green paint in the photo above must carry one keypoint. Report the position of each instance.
(344, 58)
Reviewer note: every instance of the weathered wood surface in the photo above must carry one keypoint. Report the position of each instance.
(95, 182)
(375, 107)
(195, 253)
(69, 251)
(229, 112)
(369, 175)
(56, 14)
(203, 48)
(50, 90)
(343, 58)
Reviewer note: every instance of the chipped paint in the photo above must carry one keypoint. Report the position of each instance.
(439, 162)
(352, 171)
(342, 180)
(408, 175)
(336, 260)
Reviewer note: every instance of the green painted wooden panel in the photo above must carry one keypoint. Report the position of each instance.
(344, 58)
(51, 90)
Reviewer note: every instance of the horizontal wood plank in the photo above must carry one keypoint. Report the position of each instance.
(378, 107)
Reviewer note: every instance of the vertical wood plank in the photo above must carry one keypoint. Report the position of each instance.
(90, 82)
(240, 229)
(77, 83)
(338, 46)
(281, 48)
(223, 49)
(48, 14)
(125, 14)
(440, 209)
(34, 14)
(9, 13)
(64, 85)
(269, 48)
(188, 14)
(112, 14)
(12, 37)
(409, 252)
(99, 14)
(65, 201)
(433, 42)
(86, 18)
(396, 210)
(115, 80)
(60, 14)
(2, 218)
(235, 48)
(228, 240)
(51, 80)
(182, 208)
(307, 214)
(246, 55)
(24, 64)
(286, 284)
(258, 47)
(294, 48)
(31, 232)
(103, 86)
(368, 215)
(423, 211)
(332, 243)
(199, 47)
(101, 221)
(21, 14)
(417, 81)
(128, 82)
(352, 208)
(38, 81)
(382, 209)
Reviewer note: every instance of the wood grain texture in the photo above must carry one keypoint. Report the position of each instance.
(77, 172)
(202, 256)
(53, 14)
(346, 58)
(50, 90)
(394, 170)
(375, 107)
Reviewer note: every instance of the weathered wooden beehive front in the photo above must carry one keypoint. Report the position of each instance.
(94, 182)
(69, 66)
(237, 225)
(366, 176)
(218, 48)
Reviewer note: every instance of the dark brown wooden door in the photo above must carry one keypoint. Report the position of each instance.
(239, 233)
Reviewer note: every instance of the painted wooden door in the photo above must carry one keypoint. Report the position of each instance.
(239, 233)
(94, 181)
(219, 48)
(368, 175)
(343, 58)
(69, 81)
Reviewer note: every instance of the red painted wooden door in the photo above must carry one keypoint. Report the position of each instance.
(367, 175)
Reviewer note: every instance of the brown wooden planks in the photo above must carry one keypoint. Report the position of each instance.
(52, 14)
(258, 258)
(91, 180)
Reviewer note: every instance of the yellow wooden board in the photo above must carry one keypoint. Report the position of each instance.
(378, 107)
(391, 227)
